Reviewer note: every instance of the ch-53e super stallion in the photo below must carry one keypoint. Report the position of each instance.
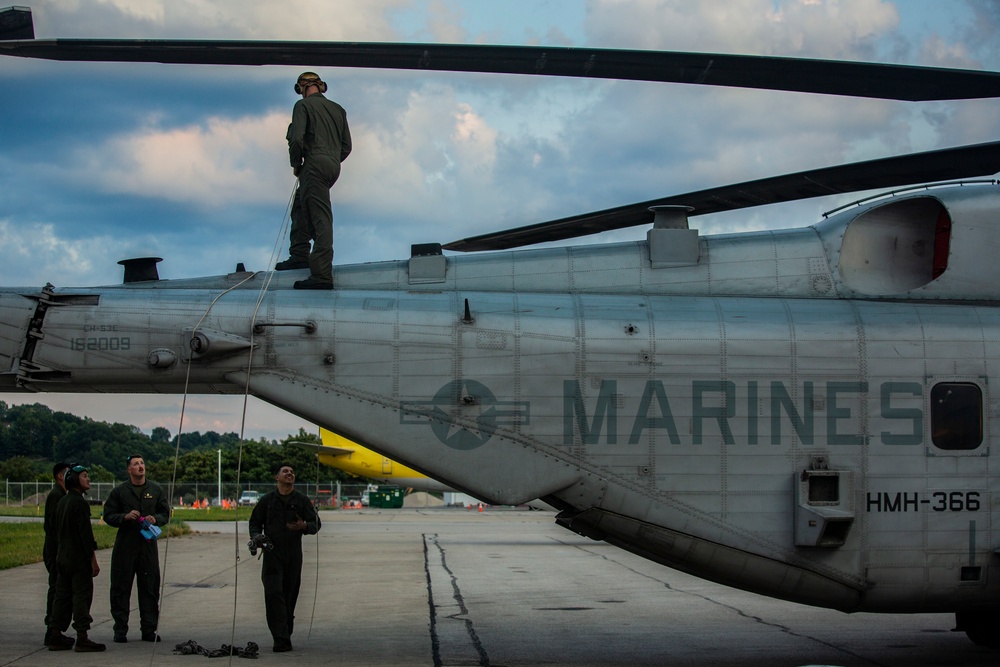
(804, 413)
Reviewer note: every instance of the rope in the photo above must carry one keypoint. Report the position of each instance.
(282, 232)
(312, 614)
(191, 647)
(177, 449)
(275, 250)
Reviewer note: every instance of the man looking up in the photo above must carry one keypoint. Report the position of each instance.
(319, 139)
(283, 516)
(134, 557)
(50, 549)
(77, 562)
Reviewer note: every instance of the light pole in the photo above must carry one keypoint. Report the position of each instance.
(220, 478)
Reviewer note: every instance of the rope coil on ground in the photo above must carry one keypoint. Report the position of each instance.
(191, 647)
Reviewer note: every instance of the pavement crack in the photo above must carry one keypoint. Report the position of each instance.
(435, 642)
(451, 643)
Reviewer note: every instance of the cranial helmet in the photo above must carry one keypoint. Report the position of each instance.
(72, 477)
(306, 79)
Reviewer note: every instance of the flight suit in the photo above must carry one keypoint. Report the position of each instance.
(319, 139)
(75, 583)
(51, 546)
(133, 556)
(281, 573)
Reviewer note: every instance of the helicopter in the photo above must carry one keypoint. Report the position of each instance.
(803, 413)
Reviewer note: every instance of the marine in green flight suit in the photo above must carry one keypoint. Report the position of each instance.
(319, 139)
(283, 516)
(51, 546)
(76, 558)
(133, 557)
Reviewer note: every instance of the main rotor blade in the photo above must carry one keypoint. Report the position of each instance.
(940, 165)
(856, 79)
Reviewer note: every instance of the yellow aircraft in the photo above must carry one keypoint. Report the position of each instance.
(343, 454)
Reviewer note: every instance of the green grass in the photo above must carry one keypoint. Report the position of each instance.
(39, 510)
(213, 514)
(17, 510)
(21, 543)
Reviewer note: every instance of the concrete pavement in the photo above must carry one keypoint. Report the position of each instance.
(458, 587)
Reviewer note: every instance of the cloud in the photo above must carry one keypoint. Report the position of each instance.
(982, 34)
(190, 163)
(842, 29)
(211, 164)
(445, 22)
(36, 255)
(431, 153)
(347, 20)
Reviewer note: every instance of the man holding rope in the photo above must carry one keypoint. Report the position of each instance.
(280, 519)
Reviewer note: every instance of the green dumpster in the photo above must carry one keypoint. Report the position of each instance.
(386, 497)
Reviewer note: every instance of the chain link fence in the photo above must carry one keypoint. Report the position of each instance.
(185, 494)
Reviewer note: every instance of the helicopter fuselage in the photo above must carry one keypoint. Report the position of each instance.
(803, 413)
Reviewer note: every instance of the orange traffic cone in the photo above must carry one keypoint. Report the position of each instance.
(480, 507)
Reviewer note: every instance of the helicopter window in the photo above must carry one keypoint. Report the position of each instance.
(956, 415)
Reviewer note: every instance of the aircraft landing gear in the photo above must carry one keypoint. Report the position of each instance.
(981, 627)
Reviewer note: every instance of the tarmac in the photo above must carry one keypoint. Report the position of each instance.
(446, 586)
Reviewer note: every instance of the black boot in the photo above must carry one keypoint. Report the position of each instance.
(85, 645)
(292, 263)
(312, 283)
(57, 641)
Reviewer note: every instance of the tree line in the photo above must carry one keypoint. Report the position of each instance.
(34, 437)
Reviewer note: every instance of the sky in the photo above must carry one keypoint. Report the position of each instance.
(105, 161)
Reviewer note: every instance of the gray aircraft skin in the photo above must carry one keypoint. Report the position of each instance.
(765, 417)
(803, 413)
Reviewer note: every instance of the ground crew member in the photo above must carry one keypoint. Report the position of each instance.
(282, 516)
(76, 558)
(319, 139)
(50, 549)
(133, 557)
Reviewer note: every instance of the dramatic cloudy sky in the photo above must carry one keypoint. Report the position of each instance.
(99, 162)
